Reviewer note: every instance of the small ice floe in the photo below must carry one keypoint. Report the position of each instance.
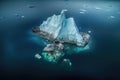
(83, 10)
(89, 31)
(98, 8)
(22, 16)
(112, 17)
(38, 56)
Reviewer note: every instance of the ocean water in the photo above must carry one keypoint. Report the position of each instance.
(19, 44)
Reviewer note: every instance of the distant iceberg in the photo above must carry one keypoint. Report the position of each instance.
(62, 29)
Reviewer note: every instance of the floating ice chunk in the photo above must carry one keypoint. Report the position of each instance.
(38, 56)
(22, 16)
(83, 10)
(98, 8)
(112, 17)
(89, 31)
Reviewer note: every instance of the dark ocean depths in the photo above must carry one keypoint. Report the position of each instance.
(18, 44)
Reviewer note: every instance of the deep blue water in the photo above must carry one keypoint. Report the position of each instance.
(19, 44)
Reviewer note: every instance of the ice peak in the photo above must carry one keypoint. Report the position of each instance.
(64, 10)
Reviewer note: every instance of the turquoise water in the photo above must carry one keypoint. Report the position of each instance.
(19, 45)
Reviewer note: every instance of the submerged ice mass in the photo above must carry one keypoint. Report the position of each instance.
(60, 30)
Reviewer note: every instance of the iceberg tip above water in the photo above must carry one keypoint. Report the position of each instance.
(61, 32)
(60, 28)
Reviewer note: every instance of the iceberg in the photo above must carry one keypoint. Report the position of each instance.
(38, 56)
(62, 29)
